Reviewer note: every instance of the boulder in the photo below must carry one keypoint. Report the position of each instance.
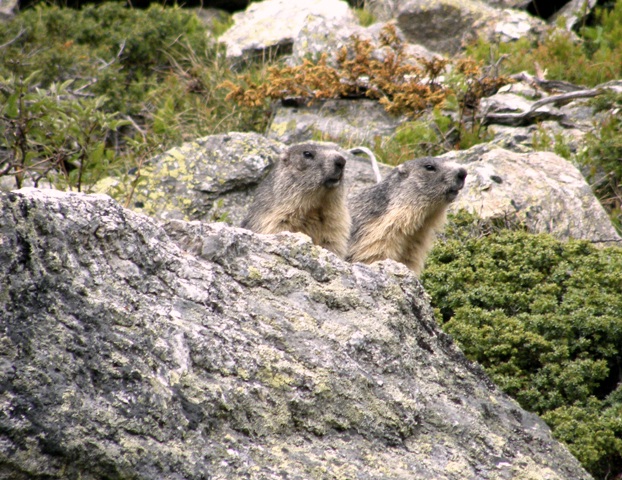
(271, 26)
(546, 135)
(196, 351)
(8, 9)
(541, 189)
(351, 121)
(509, 25)
(574, 13)
(446, 26)
(209, 179)
(440, 25)
(320, 36)
(517, 4)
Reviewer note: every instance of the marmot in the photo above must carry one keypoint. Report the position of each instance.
(305, 192)
(398, 217)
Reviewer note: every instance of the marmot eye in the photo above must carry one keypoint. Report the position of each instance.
(307, 154)
(429, 167)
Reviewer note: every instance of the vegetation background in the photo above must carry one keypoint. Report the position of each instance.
(95, 92)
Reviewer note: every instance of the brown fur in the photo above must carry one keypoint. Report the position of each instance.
(304, 194)
(399, 217)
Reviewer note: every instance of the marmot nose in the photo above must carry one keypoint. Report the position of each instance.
(461, 174)
(340, 162)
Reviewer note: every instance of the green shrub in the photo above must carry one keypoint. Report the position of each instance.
(108, 47)
(597, 58)
(543, 318)
(48, 135)
(154, 72)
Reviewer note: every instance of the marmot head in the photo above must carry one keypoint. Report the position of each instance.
(312, 165)
(428, 179)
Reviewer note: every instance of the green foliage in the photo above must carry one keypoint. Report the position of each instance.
(594, 60)
(545, 141)
(46, 131)
(602, 156)
(118, 47)
(156, 69)
(364, 16)
(543, 318)
(592, 432)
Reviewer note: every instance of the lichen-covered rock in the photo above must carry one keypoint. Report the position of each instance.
(542, 189)
(321, 36)
(195, 351)
(271, 26)
(446, 26)
(206, 179)
(353, 121)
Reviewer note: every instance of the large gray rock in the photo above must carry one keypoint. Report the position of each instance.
(206, 351)
(446, 26)
(541, 189)
(206, 179)
(272, 25)
(320, 36)
(387, 9)
(349, 121)
(574, 13)
(8, 9)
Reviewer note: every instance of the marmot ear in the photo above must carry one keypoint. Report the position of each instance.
(402, 171)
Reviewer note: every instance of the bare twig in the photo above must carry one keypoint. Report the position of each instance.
(107, 64)
(135, 125)
(14, 39)
(523, 118)
(547, 85)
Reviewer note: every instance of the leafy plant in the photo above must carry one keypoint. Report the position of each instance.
(399, 86)
(146, 79)
(543, 318)
(364, 16)
(47, 131)
(595, 59)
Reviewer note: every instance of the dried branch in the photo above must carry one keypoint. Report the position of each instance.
(532, 115)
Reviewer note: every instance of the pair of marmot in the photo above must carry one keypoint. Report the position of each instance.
(397, 218)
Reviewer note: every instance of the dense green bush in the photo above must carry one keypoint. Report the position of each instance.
(115, 49)
(544, 319)
(149, 79)
(48, 136)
